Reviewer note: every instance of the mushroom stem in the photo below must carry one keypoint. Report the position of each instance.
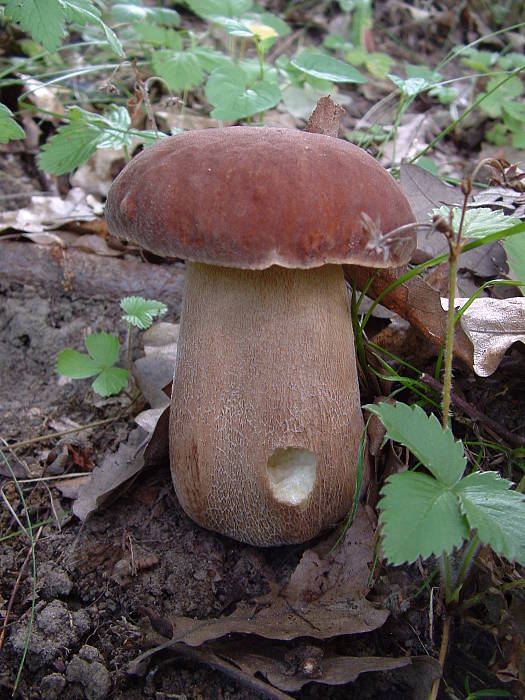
(265, 416)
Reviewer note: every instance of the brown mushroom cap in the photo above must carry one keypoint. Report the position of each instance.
(253, 197)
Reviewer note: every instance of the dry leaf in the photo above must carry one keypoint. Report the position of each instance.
(411, 138)
(326, 118)
(117, 468)
(426, 192)
(492, 325)
(51, 212)
(325, 598)
(291, 670)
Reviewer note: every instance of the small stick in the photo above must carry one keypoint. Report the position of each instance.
(70, 431)
(511, 438)
(15, 588)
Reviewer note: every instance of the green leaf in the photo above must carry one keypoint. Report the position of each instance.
(518, 140)
(480, 61)
(236, 28)
(493, 103)
(209, 59)
(436, 448)
(410, 87)
(510, 61)
(514, 115)
(81, 11)
(113, 40)
(478, 222)
(9, 129)
(320, 65)
(219, 10)
(71, 363)
(234, 98)
(71, 146)
(130, 14)
(77, 141)
(103, 348)
(419, 517)
(111, 381)
(141, 312)
(495, 511)
(158, 36)
(43, 19)
(113, 127)
(180, 69)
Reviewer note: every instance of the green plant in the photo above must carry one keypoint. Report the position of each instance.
(46, 20)
(103, 349)
(437, 511)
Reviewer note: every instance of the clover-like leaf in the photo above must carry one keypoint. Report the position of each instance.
(233, 97)
(410, 86)
(420, 516)
(180, 69)
(111, 381)
(76, 365)
(478, 222)
(103, 349)
(71, 146)
(436, 448)
(495, 511)
(43, 19)
(141, 312)
(10, 130)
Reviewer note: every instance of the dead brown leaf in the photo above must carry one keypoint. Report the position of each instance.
(492, 325)
(290, 671)
(115, 471)
(324, 598)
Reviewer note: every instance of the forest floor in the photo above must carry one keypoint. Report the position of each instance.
(139, 574)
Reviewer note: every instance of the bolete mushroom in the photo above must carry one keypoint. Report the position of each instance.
(265, 415)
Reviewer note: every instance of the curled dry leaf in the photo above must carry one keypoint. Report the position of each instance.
(492, 325)
(291, 670)
(109, 479)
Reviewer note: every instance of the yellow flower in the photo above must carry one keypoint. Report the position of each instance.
(261, 31)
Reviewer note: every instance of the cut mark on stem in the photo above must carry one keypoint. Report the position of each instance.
(292, 472)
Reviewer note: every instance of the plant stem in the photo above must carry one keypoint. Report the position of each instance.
(128, 344)
(449, 341)
(442, 656)
(469, 555)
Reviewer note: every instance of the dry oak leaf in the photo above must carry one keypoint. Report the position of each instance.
(492, 325)
(324, 598)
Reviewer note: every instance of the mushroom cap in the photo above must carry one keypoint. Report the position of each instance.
(253, 197)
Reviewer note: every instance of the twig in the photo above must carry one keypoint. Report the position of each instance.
(210, 659)
(442, 656)
(511, 438)
(70, 431)
(16, 586)
(214, 661)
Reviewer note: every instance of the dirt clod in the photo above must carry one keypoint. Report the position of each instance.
(87, 668)
(55, 628)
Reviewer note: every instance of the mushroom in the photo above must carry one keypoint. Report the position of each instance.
(265, 417)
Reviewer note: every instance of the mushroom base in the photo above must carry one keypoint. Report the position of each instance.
(265, 382)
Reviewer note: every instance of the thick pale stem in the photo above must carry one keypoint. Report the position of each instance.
(265, 419)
